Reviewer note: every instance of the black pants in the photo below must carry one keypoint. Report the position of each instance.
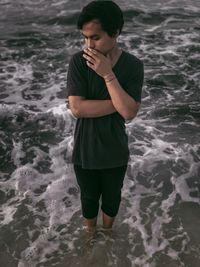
(105, 183)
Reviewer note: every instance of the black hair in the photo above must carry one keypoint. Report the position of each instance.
(107, 13)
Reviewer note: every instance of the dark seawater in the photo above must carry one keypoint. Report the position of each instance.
(40, 216)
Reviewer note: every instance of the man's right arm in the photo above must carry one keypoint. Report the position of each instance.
(83, 108)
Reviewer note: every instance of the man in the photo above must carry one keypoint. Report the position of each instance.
(104, 89)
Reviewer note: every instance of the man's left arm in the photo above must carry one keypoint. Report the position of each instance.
(124, 103)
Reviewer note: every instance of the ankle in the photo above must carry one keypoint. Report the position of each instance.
(90, 225)
(107, 221)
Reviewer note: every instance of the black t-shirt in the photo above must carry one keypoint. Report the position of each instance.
(102, 142)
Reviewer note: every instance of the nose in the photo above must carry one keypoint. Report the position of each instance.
(90, 43)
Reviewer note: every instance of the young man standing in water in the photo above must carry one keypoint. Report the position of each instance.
(104, 89)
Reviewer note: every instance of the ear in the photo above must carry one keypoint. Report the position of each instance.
(117, 34)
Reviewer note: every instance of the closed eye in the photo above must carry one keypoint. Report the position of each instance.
(93, 37)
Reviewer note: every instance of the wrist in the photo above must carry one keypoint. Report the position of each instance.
(109, 77)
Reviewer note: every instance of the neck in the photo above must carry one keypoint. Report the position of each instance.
(114, 53)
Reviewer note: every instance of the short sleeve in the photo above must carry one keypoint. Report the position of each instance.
(76, 77)
(134, 83)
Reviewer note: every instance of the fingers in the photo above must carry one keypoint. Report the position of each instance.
(90, 65)
(89, 59)
(92, 53)
(95, 60)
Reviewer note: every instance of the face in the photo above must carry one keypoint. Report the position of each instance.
(96, 38)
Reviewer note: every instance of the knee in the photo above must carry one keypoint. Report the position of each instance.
(90, 206)
(111, 206)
